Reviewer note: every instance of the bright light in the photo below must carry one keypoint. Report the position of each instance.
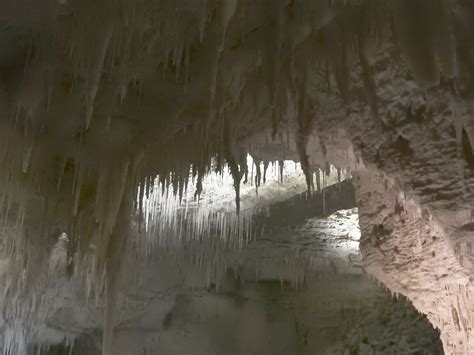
(167, 219)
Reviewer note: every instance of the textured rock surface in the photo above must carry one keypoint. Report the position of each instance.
(409, 250)
(389, 327)
(415, 197)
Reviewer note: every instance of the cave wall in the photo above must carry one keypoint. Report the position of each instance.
(411, 251)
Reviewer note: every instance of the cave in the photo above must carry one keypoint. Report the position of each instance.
(236, 177)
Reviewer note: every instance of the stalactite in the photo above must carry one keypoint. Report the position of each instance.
(336, 47)
(281, 165)
(258, 174)
(318, 179)
(243, 166)
(415, 38)
(202, 19)
(368, 77)
(265, 167)
(305, 128)
(97, 72)
(113, 265)
(213, 86)
(228, 10)
(232, 162)
(169, 222)
(444, 39)
(339, 176)
(324, 194)
(198, 192)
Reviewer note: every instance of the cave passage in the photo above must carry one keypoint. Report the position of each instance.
(298, 287)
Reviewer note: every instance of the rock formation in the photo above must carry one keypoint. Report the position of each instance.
(104, 102)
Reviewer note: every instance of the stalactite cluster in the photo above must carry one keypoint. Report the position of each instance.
(98, 98)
